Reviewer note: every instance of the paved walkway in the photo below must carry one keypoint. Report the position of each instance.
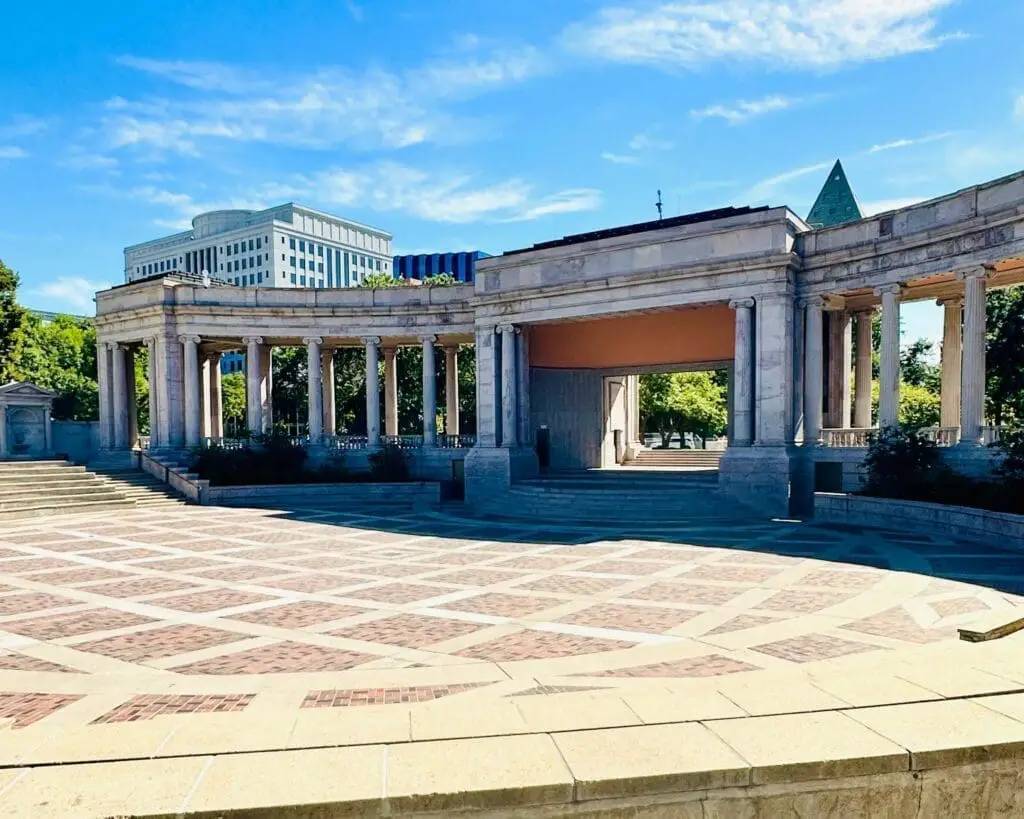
(203, 630)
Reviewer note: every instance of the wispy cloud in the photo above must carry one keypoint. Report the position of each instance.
(80, 159)
(767, 188)
(357, 12)
(1018, 107)
(620, 159)
(12, 152)
(570, 201)
(74, 293)
(885, 205)
(23, 126)
(742, 111)
(646, 142)
(783, 33)
(907, 143)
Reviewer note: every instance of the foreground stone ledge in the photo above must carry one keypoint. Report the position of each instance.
(412, 492)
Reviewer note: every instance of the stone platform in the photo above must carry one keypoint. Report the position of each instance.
(191, 660)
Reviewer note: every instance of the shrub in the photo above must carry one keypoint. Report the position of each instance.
(389, 465)
(899, 462)
(1012, 446)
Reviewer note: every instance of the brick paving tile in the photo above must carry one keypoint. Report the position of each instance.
(268, 553)
(37, 538)
(649, 619)
(626, 567)
(380, 538)
(477, 577)
(313, 583)
(898, 624)
(299, 615)
(804, 602)
(539, 645)
(26, 709)
(709, 665)
(503, 605)
(54, 627)
(140, 586)
(25, 603)
(571, 584)
(279, 658)
(811, 647)
(323, 561)
(6, 553)
(939, 585)
(12, 661)
(248, 571)
(534, 562)
(389, 569)
(117, 555)
(24, 565)
(206, 545)
(669, 592)
(181, 564)
(396, 593)
(756, 558)
(408, 630)
(352, 697)
(73, 577)
(165, 538)
(462, 558)
(743, 622)
(958, 605)
(162, 642)
(581, 552)
(147, 706)
(508, 548)
(540, 690)
(391, 553)
(841, 579)
(75, 545)
(732, 574)
(210, 600)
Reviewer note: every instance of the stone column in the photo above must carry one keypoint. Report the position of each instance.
(330, 425)
(488, 395)
(526, 434)
(253, 392)
(813, 371)
(315, 415)
(103, 379)
(133, 398)
(862, 378)
(205, 384)
(972, 377)
(952, 350)
(889, 354)
(773, 379)
(172, 402)
(154, 395)
(119, 383)
(390, 391)
(429, 391)
(451, 390)
(372, 390)
(190, 367)
(267, 387)
(509, 386)
(216, 400)
(840, 368)
(743, 373)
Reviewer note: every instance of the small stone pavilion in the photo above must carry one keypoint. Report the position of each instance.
(25, 425)
(562, 330)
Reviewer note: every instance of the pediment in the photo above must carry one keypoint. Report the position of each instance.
(25, 389)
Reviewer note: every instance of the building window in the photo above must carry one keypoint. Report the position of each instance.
(302, 280)
(320, 250)
(227, 250)
(282, 240)
(362, 261)
(291, 244)
(236, 265)
(251, 262)
(259, 261)
(293, 278)
(302, 263)
(222, 267)
(251, 246)
(291, 261)
(243, 264)
(320, 283)
(252, 278)
(302, 246)
(236, 247)
(267, 256)
(378, 265)
(320, 268)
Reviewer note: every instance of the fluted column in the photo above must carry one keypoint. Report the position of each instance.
(813, 371)
(390, 391)
(889, 357)
(315, 415)
(267, 386)
(253, 402)
(190, 382)
(154, 395)
(327, 388)
(526, 435)
(133, 399)
(103, 379)
(862, 376)
(743, 373)
(205, 386)
(952, 350)
(972, 377)
(429, 391)
(216, 409)
(372, 344)
(451, 390)
(840, 368)
(119, 393)
(509, 385)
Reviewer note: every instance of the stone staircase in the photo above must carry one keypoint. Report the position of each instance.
(676, 459)
(618, 498)
(31, 489)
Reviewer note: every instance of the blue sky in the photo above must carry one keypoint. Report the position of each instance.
(465, 124)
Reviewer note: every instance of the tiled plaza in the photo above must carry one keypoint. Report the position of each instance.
(198, 630)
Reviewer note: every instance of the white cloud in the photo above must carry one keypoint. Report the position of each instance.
(356, 11)
(907, 143)
(885, 205)
(786, 33)
(72, 292)
(620, 159)
(767, 188)
(205, 76)
(644, 142)
(12, 152)
(23, 126)
(1018, 107)
(79, 159)
(570, 201)
(741, 111)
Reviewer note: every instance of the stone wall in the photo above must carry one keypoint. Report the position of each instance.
(78, 441)
(337, 494)
(568, 403)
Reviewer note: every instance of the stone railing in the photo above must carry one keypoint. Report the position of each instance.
(853, 437)
(456, 441)
(402, 441)
(143, 442)
(225, 443)
(345, 441)
(942, 436)
(994, 434)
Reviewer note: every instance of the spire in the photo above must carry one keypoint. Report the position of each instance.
(836, 204)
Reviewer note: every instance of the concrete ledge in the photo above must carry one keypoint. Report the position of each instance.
(959, 521)
(420, 492)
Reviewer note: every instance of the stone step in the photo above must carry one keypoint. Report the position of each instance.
(35, 474)
(10, 492)
(28, 466)
(59, 507)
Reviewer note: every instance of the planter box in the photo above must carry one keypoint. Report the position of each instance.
(405, 494)
(1001, 528)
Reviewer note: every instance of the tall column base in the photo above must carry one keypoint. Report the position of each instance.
(490, 471)
(759, 477)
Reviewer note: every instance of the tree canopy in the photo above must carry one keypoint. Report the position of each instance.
(11, 318)
(683, 402)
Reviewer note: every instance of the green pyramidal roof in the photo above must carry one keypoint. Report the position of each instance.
(836, 204)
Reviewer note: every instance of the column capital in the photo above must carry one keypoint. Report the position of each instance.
(370, 341)
(428, 340)
(451, 348)
(736, 304)
(185, 339)
(250, 340)
(889, 290)
(124, 346)
(310, 341)
(865, 311)
(978, 272)
(390, 352)
(506, 328)
(212, 355)
(958, 301)
(814, 302)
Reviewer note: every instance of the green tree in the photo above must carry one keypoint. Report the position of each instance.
(60, 356)
(683, 402)
(11, 318)
(919, 406)
(232, 396)
(1005, 357)
(916, 366)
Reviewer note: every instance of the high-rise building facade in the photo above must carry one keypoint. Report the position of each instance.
(285, 246)
(461, 266)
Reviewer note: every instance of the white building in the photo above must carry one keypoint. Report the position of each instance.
(285, 246)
